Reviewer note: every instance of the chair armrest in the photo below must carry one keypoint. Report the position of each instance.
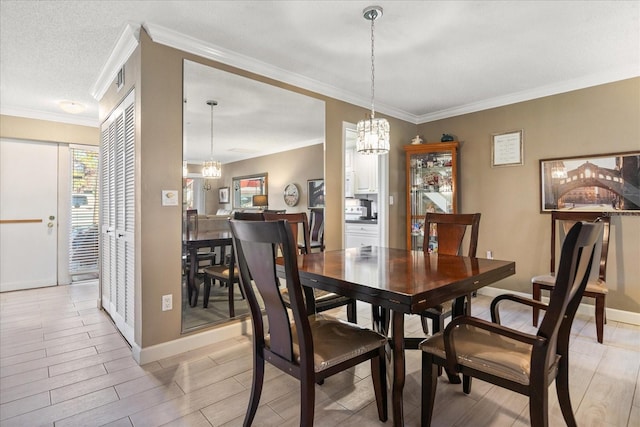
(449, 345)
(495, 314)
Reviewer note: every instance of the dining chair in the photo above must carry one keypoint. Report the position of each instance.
(307, 347)
(508, 358)
(227, 274)
(316, 228)
(561, 222)
(323, 300)
(444, 234)
(205, 256)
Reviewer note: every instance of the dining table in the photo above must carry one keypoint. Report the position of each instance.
(398, 282)
(193, 241)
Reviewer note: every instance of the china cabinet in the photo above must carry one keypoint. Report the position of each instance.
(432, 181)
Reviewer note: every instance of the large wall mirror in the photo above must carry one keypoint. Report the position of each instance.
(249, 129)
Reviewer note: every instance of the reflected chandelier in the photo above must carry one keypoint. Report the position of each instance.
(212, 168)
(373, 133)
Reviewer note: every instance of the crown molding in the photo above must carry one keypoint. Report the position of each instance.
(197, 47)
(52, 117)
(126, 44)
(527, 95)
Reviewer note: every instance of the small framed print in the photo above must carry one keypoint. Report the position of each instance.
(507, 149)
(223, 194)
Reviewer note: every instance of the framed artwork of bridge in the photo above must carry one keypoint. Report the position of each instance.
(600, 182)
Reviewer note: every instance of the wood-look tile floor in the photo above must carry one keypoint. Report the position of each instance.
(63, 364)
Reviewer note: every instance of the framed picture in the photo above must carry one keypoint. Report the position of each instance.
(223, 194)
(315, 193)
(507, 149)
(600, 182)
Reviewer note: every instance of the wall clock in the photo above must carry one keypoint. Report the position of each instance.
(291, 194)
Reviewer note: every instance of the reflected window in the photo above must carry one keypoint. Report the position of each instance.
(245, 187)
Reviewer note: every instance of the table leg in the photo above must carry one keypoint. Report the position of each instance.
(397, 336)
(192, 290)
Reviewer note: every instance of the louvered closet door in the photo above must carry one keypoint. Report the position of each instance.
(117, 216)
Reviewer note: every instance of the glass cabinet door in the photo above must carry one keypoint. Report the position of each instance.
(431, 187)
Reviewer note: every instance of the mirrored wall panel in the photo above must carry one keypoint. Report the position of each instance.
(230, 123)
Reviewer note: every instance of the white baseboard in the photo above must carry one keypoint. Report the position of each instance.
(587, 309)
(191, 342)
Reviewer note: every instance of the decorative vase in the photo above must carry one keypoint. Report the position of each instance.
(446, 137)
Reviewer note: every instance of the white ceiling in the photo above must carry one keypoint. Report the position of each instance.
(433, 58)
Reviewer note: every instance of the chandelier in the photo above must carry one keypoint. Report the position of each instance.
(212, 168)
(373, 133)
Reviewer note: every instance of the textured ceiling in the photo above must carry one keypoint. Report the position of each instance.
(433, 58)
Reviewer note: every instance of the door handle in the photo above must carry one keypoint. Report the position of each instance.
(18, 221)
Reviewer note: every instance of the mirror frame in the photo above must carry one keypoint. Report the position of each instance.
(236, 185)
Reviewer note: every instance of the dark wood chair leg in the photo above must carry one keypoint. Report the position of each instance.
(562, 389)
(536, 295)
(307, 401)
(539, 406)
(352, 315)
(232, 309)
(256, 389)
(208, 281)
(466, 384)
(379, 376)
(429, 384)
(600, 317)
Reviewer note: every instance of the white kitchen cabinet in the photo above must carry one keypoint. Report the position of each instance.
(357, 235)
(365, 167)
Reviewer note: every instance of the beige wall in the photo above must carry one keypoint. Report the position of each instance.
(601, 119)
(47, 131)
(295, 166)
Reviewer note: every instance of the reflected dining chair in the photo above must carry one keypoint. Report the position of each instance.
(561, 222)
(316, 229)
(307, 347)
(323, 300)
(508, 358)
(446, 233)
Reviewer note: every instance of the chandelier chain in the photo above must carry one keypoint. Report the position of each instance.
(373, 68)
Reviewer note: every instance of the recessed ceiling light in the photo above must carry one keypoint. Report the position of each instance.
(72, 107)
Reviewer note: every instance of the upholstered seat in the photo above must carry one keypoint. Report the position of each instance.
(521, 362)
(593, 285)
(335, 341)
(488, 352)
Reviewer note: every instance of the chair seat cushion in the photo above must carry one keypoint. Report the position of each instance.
(595, 286)
(335, 341)
(220, 271)
(487, 352)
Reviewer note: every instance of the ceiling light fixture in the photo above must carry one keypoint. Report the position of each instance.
(373, 133)
(212, 168)
(71, 107)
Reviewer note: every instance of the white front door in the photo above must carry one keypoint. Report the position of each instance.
(28, 214)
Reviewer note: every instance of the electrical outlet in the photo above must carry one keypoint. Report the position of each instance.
(489, 255)
(167, 302)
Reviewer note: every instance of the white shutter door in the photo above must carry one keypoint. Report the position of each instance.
(118, 257)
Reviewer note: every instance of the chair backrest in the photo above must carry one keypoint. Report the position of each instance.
(316, 225)
(576, 259)
(249, 216)
(298, 223)
(191, 217)
(450, 230)
(256, 244)
(561, 221)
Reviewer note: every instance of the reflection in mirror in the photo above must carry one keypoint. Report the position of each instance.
(246, 187)
(251, 122)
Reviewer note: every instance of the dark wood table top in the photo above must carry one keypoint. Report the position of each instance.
(207, 236)
(398, 279)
